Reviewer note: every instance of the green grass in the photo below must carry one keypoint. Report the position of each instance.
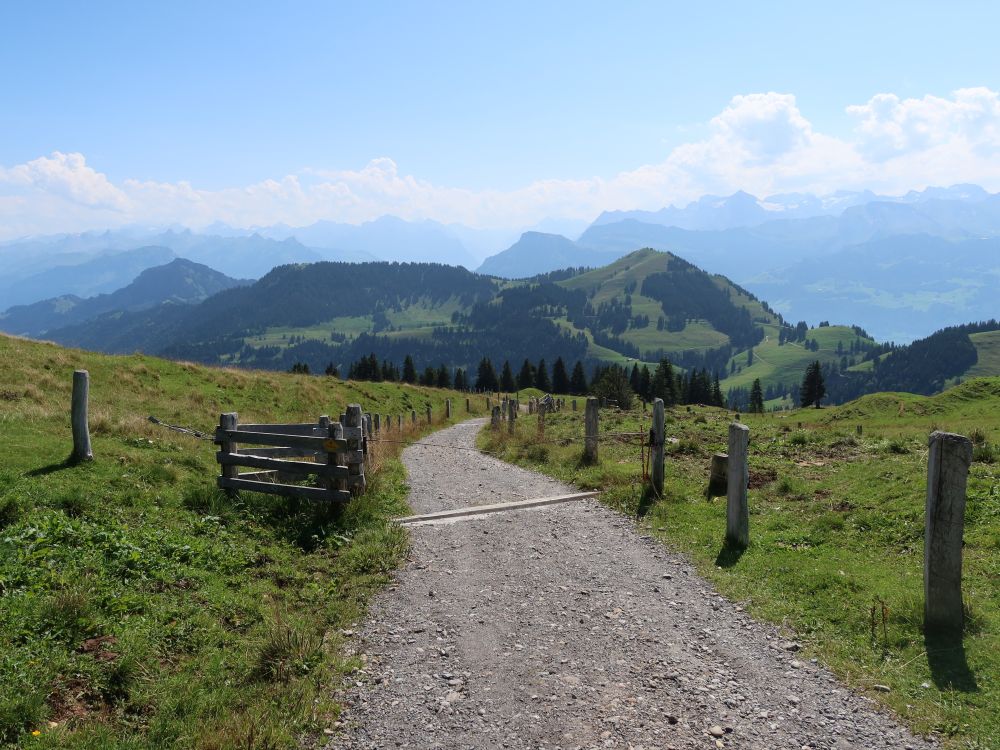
(141, 608)
(775, 364)
(988, 348)
(836, 533)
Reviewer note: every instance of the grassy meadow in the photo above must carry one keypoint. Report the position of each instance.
(836, 531)
(139, 607)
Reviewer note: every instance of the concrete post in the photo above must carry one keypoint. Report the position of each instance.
(78, 416)
(590, 425)
(737, 511)
(656, 449)
(947, 473)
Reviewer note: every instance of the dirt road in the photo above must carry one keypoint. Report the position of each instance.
(561, 627)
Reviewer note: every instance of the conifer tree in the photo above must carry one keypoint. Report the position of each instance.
(429, 377)
(486, 379)
(645, 383)
(332, 371)
(560, 380)
(756, 398)
(578, 380)
(443, 377)
(633, 378)
(717, 392)
(507, 384)
(526, 378)
(409, 370)
(460, 384)
(542, 382)
(813, 388)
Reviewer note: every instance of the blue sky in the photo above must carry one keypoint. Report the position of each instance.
(152, 111)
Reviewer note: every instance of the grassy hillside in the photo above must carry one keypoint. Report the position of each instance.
(988, 348)
(141, 608)
(836, 531)
(787, 363)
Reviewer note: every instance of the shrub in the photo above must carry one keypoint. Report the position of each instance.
(983, 453)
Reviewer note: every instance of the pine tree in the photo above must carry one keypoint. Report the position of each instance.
(633, 378)
(443, 377)
(460, 384)
(578, 380)
(749, 356)
(429, 376)
(645, 383)
(507, 384)
(486, 379)
(664, 385)
(542, 382)
(560, 380)
(813, 388)
(717, 392)
(409, 370)
(526, 378)
(332, 371)
(756, 398)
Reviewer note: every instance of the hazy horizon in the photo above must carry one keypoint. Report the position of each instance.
(190, 115)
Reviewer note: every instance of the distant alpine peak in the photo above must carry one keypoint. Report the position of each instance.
(741, 209)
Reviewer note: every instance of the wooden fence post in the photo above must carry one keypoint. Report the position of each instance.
(542, 408)
(737, 511)
(355, 444)
(228, 421)
(947, 473)
(429, 420)
(447, 408)
(511, 415)
(590, 426)
(468, 406)
(656, 447)
(495, 418)
(378, 422)
(574, 404)
(78, 416)
(413, 416)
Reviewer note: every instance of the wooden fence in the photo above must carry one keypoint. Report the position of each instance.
(330, 453)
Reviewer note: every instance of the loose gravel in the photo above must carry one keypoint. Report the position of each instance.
(561, 627)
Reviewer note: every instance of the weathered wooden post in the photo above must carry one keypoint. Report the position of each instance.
(531, 406)
(339, 458)
(447, 408)
(78, 416)
(511, 415)
(413, 416)
(542, 408)
(658, 438)
(590, 430)
(574, 404)
(737, 511)
(429, 420)
(228, 421)
(947, 473)
(353, 432)
(378, 422)
(495, 418)
(487, 403)
(468, 406)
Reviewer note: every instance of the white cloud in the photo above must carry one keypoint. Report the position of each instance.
(761, 143)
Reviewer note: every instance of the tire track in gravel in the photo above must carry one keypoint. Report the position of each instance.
(561, 627)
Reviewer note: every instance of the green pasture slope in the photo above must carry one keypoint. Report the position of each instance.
(836, 525)
(141, 608)
(787, 363)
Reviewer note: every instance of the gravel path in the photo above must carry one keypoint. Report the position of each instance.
(560, 627)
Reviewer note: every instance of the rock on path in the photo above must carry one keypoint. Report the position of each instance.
(560, 627)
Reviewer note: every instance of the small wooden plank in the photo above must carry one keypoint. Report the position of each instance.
(287, 467)
(477, 510)
(293, 490)
(284, 429)
(259, 476)
(250, 450)
(267, 438)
